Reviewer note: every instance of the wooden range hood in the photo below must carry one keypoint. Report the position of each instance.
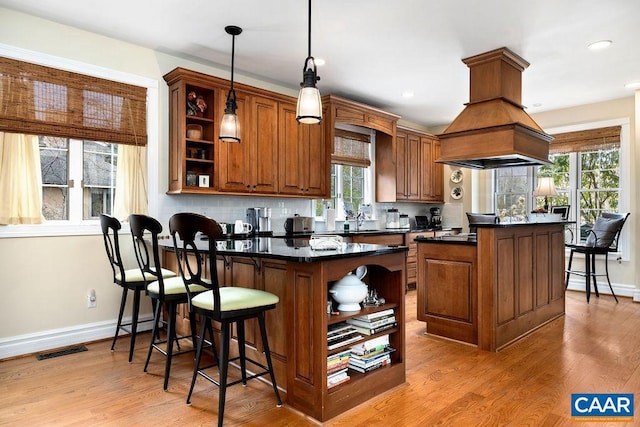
(493, 130)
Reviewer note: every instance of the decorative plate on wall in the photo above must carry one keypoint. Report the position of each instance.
(456, 176)
(456, 193)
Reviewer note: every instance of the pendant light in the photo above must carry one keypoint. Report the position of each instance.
(230, 126)
(309, 110)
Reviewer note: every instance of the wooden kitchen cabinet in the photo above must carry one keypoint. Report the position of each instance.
(304, 156)
(418, 177)
(408, 161)
(251, 165)
(431, 174)
(191, 156)
(275, 157)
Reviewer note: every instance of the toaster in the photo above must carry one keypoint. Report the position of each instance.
(298, 224)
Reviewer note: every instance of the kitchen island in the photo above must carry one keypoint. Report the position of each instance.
(493, 287)
(297, 328)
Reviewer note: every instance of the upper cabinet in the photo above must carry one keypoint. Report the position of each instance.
(276, 155)
(304, 156)
(192, 132)
(251, 165)
(418, 177)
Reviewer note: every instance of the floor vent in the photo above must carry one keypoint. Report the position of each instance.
(64, 352)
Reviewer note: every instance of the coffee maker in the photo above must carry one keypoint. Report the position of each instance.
(436, 219)
(260, 220)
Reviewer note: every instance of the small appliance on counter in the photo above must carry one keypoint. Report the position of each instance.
(298, 224)
(436, 219)
(393, 218)
(404, 221)
(422, 222)
(260, 220)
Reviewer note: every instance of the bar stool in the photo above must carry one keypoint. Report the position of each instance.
(129, 279)
(226, 305)
(602, 239)
(166, 289)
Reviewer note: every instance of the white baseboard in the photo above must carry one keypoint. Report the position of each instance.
(64, 337)
(603, 288)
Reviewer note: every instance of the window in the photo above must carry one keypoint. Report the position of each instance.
(347, 188)
(73, 111)
(586, 172)
(350, 174)
(513, 193)
(588, 180)
(78, 178)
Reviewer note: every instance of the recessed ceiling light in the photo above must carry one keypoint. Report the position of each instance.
(600, 44)
(633, 85)
(407, 94)
(537, 104)
(319, 61)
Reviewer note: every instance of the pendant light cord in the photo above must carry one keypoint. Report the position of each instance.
(309, 38)
(233, 55)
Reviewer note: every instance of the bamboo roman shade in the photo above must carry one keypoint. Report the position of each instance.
(351, 148)
(586, 140)
(38, 100)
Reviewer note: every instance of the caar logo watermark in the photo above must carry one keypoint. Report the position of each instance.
(602, 407)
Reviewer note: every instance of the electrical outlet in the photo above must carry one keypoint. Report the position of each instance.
(92, 301)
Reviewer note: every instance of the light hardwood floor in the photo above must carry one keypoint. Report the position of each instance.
(594, 348)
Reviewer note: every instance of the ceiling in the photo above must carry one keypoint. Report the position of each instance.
(376, 49)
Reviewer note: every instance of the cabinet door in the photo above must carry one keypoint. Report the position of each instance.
(401, 165)
(316, 161)
(414, 167)
(438, 173)
(289, 179)
(426, 158)
(264, 145)
(303, 159)
(233, 158)
(431, 181)
(407, 166)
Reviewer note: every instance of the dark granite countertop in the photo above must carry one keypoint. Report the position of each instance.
(458, 239)
(289, 249)
(518, 224)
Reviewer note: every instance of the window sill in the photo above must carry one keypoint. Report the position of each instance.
(51, 229)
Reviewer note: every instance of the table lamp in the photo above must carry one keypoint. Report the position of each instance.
(545, 188)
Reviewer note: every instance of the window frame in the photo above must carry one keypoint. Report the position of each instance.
(624, 249)
(91, 227)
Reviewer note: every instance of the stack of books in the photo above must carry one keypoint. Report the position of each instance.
(374, 323)
(341, 334)
(370, 355)
(337, 365)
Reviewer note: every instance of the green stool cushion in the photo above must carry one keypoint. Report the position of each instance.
(232, 298)
(135, 275)
(173, 286)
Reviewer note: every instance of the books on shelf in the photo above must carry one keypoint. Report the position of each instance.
(337, 362)
(337, 365)
(376, 315)
(342, 334)
(338, 378)
(374, 323)
(372, 331)
(364, 366)
(370, 346)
